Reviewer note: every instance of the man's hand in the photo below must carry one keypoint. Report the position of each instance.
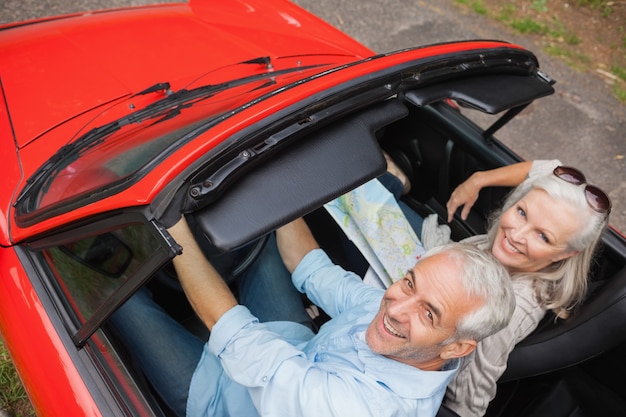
(207, 292)
(295, 240)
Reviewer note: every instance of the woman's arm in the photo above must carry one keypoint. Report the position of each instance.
(466, 193)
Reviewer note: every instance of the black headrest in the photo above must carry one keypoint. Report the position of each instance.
(596, 327)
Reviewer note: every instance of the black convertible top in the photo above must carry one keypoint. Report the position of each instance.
(316, 169)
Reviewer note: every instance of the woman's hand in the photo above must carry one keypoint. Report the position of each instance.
(467, 192)
(464, 195)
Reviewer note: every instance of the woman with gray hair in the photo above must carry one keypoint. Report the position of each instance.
(546, 235)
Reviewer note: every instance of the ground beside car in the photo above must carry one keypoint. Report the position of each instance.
(589, 35)
(13, 399)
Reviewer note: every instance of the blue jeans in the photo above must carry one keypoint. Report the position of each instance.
(394, 185)
(266, 289)
(164, 350)
(168, 353)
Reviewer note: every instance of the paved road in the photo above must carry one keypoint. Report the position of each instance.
(582, 124)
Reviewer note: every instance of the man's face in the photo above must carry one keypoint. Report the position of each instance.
(419, 312)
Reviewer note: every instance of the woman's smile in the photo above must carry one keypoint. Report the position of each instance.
(508, 246)
(535, 232)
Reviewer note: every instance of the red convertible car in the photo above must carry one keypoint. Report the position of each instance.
(261, 113)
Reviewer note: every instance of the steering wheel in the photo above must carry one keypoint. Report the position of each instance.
(249, 259)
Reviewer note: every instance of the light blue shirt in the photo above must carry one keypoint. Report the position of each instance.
(281, 369)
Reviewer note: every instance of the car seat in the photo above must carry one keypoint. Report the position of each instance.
(594, 328)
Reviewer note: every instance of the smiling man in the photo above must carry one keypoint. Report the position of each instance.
(419, 314)
(383, 353)
(455, 296)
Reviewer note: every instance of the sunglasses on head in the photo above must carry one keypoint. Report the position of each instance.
(596, 198)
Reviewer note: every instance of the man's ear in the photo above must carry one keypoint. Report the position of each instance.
(458, 349)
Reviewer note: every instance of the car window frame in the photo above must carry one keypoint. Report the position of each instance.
(81, 331)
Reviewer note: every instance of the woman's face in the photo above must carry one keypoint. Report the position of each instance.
(535, 233)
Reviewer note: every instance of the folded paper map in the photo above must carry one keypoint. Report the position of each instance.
(371, 218)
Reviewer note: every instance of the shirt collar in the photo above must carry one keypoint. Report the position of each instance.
(405, 380)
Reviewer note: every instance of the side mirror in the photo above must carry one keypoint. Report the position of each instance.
(106, 254)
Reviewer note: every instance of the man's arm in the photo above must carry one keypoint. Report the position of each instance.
(206, 290)
(294, 241)
(326, 284)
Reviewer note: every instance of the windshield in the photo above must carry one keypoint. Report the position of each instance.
(106, 158)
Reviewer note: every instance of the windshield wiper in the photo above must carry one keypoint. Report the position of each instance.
(70, 153)
(165, 87)
(186, 98)
(264, 60)
(164, 109)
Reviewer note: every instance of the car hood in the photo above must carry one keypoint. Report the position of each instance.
(66, 81)
(48, 68)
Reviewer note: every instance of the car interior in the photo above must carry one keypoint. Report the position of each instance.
(429, 137)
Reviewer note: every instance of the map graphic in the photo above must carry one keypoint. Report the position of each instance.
(371, 218)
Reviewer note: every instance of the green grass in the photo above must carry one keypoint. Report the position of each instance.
(539, 5)
(619, 71)
(620, 93)
(593, 3)
(13, 398)
(605, 6)
(557, 31)
(476, 5)
(620, 87)
(528, 25)
(574, 59)
(561, 42)
(479, 8)
(505, 13)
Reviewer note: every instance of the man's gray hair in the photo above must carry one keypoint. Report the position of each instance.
(483, 276)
